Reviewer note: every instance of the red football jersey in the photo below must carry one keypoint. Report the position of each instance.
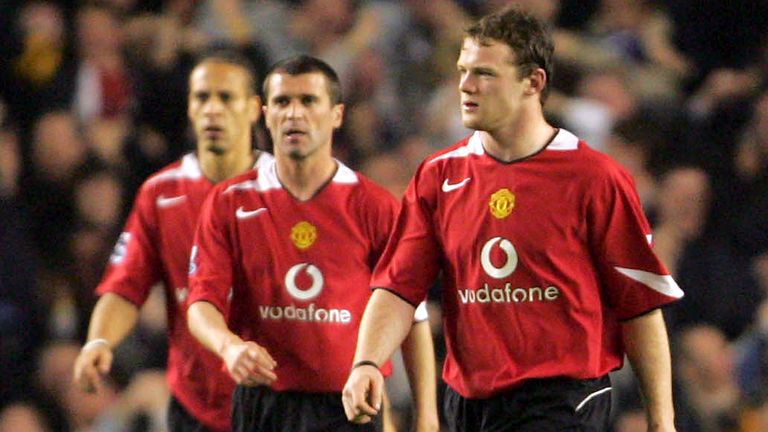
(155, 247)
(299, 271)
(540, 258)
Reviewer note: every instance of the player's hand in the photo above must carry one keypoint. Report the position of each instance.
(91, 365)
(249, 363)
(363, 393)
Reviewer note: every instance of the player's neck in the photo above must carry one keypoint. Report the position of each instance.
(303, 178)
(520, 139)
(221, 167)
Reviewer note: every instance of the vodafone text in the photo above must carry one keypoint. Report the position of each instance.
(310, 313)
(507, 294)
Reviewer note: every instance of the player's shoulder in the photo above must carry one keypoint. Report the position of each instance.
(584, 159)
(186, 168)
(173, 177)
(252, 179)
(458, 152)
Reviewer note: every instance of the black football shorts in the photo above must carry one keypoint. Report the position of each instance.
(544, 405)
(260, 409)
(179, 420)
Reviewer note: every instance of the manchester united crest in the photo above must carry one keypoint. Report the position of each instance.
(501, 204)
(303, 235)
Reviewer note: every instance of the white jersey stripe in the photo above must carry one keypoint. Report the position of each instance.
(189, 168)
(474, 147)
(421, 313)
(590, 397)
(663, 284)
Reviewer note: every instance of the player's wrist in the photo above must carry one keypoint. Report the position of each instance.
(228, 342)
(95, 343)
(361, 363)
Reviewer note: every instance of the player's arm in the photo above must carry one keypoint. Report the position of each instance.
(647, 346)
(111, 321)
(419, 360)
(385, 324)
(247, 362)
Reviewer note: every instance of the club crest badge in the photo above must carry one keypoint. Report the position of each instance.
(501, 204)
(303, 235)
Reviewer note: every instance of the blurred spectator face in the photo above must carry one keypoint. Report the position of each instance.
(58, 148)
(760, 267)
(300, 115)
(683, 200)
(99, 198)
(106, 138)
(43, 20)
(709, 359)
(489, 104)
(21, 417)
(333, 16)
(9, 162)
(611, 90)
(221, 107)
(622, 14)
(631, 156)
(98, 32)
(545, 10)
(761, 121)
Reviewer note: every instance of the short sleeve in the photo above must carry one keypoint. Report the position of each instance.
(634, 279)
(210, 265)
(410, 262)
(135, 264)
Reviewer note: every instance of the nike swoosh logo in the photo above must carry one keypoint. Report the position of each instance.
(163, 201)
(245, 214)
(447, 187)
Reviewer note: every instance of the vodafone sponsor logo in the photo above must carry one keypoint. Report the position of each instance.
(310, 313)
(505, 293)
(509, 266)
(300, 291)
(304, 294)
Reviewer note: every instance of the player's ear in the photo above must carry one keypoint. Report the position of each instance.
(338, 115)
(537, 80)
(255, 108)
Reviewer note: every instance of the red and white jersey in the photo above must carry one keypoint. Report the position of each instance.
(298, 271)
(155, 247)
(540, 258)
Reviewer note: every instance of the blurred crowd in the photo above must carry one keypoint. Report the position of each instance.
(93, 100)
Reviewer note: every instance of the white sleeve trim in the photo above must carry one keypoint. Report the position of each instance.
(663, 284)
(421, 314)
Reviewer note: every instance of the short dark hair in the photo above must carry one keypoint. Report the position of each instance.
(304, 64)
(528, 37)
(231, 57)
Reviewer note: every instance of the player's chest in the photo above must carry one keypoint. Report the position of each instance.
(176, 214)
(275, 234)
(530, 208)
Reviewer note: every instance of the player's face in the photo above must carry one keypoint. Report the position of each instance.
(299, 114)
(221, 107)
(492, 92)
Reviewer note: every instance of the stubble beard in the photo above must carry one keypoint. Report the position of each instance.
(296, 155)
(215, 148)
